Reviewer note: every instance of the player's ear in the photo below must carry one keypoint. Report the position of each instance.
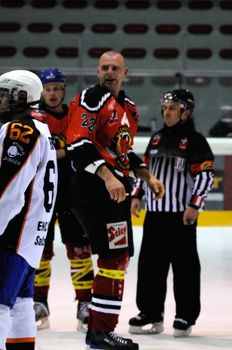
(185, 115)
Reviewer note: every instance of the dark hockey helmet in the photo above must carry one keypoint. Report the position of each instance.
(183, 96)
(19, 89)
(52, 75)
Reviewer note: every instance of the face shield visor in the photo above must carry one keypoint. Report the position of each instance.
(4, 100)
(15, 100)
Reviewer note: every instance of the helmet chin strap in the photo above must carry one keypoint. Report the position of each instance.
(33, 103)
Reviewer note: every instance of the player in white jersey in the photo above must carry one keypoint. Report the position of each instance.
(28, 183)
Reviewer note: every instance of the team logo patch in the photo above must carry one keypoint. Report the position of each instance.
(121, 144)
(14, 154)
(183, 143)
(12, 151)
(117, 235)
(156, 140)
(15, 150)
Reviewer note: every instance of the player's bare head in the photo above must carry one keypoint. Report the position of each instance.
(112, 70)
(112, 56)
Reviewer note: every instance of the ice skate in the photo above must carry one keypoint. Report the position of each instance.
(82, 316)
(141, 324)
(181, 328)
(41, 315)
(108, 341)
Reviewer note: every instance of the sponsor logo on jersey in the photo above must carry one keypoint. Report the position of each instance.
(39, 241)
(42, 226)
(180, 164)
(117, 235)
(51, 142)
(111, 106)
(114, 117)
(153, 151)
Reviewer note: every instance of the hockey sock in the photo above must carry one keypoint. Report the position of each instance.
(42, 281)
(81, 269)
(108, 290)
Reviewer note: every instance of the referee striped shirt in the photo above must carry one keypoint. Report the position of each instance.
(184, 165)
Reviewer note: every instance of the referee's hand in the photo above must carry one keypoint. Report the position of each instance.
(156, 186)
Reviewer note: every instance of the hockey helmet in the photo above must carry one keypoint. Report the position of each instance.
(52, 75)
(19, 89)
(182, 96)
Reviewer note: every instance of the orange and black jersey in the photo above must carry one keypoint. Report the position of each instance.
(57, 123)
(101, 130)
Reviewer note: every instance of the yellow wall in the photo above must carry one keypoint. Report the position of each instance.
(206, 218)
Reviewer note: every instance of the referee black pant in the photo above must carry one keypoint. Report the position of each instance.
(166, 243)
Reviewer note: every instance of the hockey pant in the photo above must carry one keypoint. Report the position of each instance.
(108, 290)
(17, 325)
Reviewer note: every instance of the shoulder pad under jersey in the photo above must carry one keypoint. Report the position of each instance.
(38, 114)
(128, 100)
(94, 98)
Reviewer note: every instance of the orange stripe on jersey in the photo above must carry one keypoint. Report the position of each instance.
(25, 216)
(20, 340)
(198, 167)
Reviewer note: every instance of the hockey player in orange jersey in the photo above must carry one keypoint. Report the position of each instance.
(102, 124)
(54, 113)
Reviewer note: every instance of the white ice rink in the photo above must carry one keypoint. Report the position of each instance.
(213, 330)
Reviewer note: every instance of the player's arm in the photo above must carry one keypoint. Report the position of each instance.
(80, 137)
(141, 171)
(83, 153)
(202, 171)
(18, 141)
(115, 188)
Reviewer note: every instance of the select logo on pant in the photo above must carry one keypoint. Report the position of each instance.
(117, 235)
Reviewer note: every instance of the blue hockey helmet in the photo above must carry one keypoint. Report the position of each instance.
(52, 75)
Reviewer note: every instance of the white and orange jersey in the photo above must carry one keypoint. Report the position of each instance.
(28, 185)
